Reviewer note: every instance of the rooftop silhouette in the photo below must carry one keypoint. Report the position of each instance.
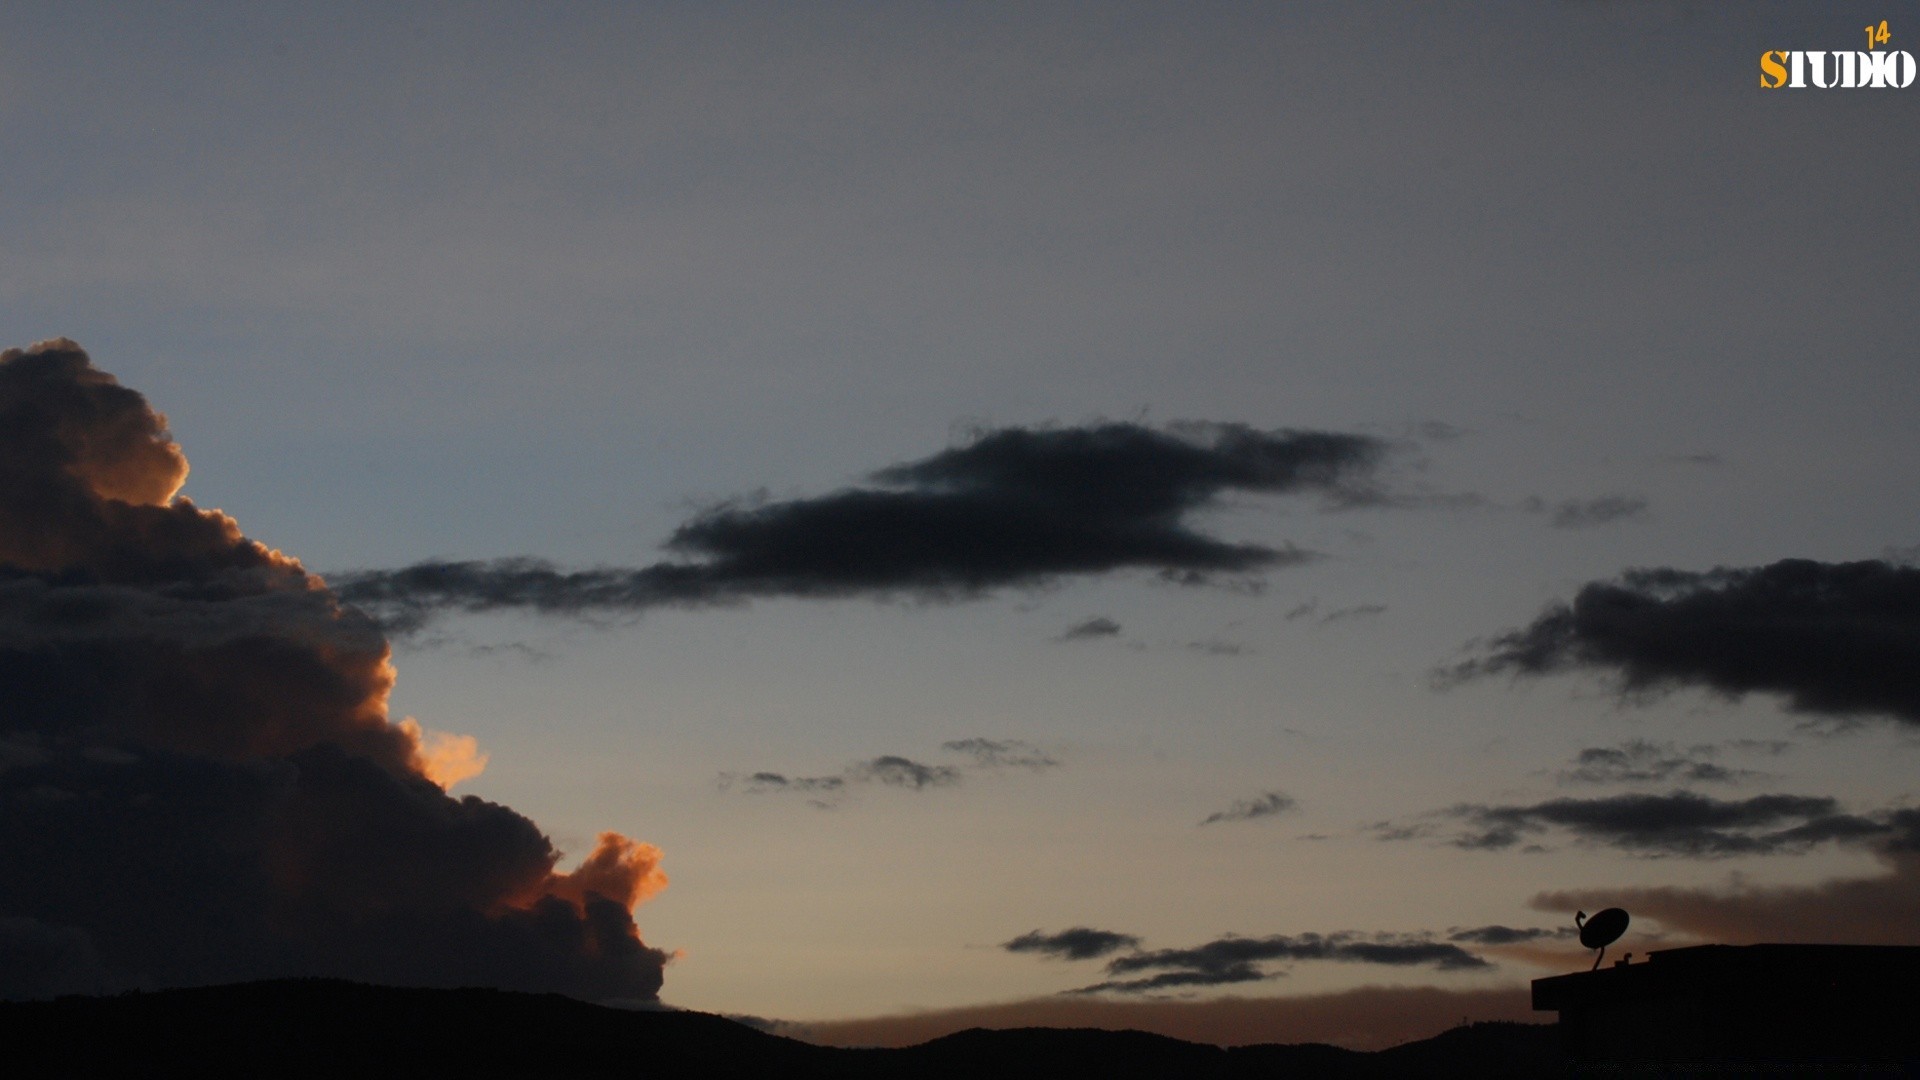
(1793, 1004)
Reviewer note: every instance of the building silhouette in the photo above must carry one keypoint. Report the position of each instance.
(1733, 1004)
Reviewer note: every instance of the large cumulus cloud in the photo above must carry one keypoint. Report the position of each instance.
(199, 779)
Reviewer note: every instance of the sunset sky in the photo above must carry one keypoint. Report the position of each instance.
(949, 475)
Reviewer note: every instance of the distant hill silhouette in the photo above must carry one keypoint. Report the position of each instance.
(334, 1029)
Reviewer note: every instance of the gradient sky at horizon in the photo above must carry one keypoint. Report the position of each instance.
(512, 280)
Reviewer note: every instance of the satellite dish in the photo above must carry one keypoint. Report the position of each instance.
(1601, 931)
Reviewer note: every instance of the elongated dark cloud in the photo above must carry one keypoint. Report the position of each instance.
(1267, 804)
(1015, 506)
(1078, 943)
(1835, 639)
(1228, 960)
(1679, 823)
(1507, 935)
(199, 779)
(1643, 761)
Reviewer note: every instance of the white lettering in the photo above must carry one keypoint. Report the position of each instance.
(1819, 62)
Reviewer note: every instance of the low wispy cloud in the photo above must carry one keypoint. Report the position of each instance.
(1097, 627)
(894, 771)
(1267, 804)
(1586, 513)
(1310, 609)
(1878, 910)
(1217, 647)
(1012, 507)
(1837, 640)
(1508, 935)
(888, 770)
(1002, 754)
(1229, 960)
(1357, 611)
(1078, 943)
(1638, 761)
(1680, 823)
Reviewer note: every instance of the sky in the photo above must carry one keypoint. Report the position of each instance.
(1238, 519)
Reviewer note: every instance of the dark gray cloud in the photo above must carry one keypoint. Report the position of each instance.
(1097, 627)
(1229, 960)
(199, 781)
(1014, 506)
(1680, 823)
(1003, 754)
(1267, 804)
(1642, 761)
(1507, 935)
(1835, 639)
(1078, 943)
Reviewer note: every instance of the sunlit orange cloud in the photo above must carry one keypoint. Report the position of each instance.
(622, 870)
(1369, 1018)
(443, 757)
(1881, 910)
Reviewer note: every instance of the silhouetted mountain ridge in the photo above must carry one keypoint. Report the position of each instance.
(330, 1028)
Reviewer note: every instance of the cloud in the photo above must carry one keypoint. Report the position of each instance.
(1507, 935)
(1012, 507)
(1586, 513)
(1835, 639)
(1641, 761)
(1229, 960)
(1311, 608)
(773, 781)
(1370, 1018)
(1003, 754)
(201, 782)
(1358, 611)
(888, 770)
(906, 773)
(1680, 823)
(1217, 647)
(891, 770)
(1097, 627)
(1266, 804)
(1881, 910)
(1078, 943)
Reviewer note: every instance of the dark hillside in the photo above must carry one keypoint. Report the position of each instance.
(326, 1028)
